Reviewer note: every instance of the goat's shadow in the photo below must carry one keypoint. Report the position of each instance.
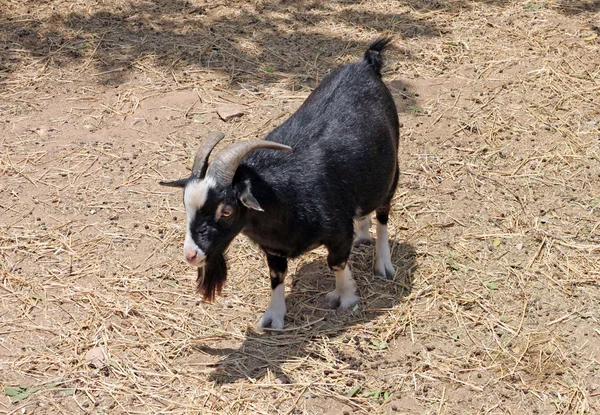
(307, 318)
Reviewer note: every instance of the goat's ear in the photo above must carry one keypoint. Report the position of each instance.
(175, 183)
(250, 201)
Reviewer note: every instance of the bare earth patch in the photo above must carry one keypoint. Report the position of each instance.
(496, 222)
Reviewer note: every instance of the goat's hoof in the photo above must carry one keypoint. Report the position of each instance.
(384, 269)
(342, 301)
(271, 319)
(332, 299)
(363, 241)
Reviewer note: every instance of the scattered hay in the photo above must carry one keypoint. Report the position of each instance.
(494, 308)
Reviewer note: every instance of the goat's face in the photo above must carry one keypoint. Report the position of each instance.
(215, 212)
(214, 218)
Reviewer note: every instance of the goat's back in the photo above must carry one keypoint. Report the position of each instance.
(344, 139)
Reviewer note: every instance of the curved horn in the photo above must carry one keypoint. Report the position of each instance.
(201, 158)
(226, 161)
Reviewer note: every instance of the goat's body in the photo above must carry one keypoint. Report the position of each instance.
(347, 170)
(343, 166)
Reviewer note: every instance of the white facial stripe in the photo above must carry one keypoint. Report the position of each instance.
(196, 192)
(194, 197)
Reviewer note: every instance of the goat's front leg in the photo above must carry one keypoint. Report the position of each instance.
(344, 294)
(273, 317)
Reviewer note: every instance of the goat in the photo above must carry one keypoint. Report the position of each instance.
(335, 164)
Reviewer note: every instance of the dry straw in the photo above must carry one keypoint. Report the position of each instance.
(494, 308)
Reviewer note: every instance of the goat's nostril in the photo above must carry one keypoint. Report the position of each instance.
(191, 256)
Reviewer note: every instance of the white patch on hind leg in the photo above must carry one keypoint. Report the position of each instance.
(344, 294)
(383, 259)
(361, 231)
(274, 315)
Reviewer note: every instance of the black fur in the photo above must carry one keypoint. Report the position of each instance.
(278, 267)
(344, 158)
(343, 165)
(373, 54)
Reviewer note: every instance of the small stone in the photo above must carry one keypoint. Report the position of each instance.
(95, 357)
(227, 112)
(89, 127)
(282, 380)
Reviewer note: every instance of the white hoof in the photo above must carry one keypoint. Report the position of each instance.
(342, 301)
(272, 319)
(384, 268)
(362, 240)
(332, 299)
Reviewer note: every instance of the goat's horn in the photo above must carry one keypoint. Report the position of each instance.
(225, 162)
(201, 158)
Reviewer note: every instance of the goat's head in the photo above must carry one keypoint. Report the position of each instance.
(215, 211)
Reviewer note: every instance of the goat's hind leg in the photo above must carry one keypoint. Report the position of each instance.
(274, 315)
(383, 257)
(344, 294)
(361, 231)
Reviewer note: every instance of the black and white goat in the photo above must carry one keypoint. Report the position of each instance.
(338, 165)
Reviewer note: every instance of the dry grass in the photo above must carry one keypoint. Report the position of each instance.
(494, 309)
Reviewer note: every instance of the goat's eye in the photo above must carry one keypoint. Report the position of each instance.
(223, 211)
(226, 211)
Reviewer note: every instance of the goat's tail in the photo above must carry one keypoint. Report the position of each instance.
(373, 55)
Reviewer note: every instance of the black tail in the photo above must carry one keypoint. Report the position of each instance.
(373, 54)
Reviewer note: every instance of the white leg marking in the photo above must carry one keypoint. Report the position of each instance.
(345, 291)
(383, 259)
(273, 317)
(361, 230)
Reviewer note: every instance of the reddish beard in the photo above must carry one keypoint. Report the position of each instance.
(211, 277)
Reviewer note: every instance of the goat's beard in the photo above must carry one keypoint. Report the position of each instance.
(211, 277)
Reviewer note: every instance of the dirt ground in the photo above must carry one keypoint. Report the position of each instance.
(495, 228)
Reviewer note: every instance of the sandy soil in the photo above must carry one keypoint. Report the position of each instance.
(496, 230)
